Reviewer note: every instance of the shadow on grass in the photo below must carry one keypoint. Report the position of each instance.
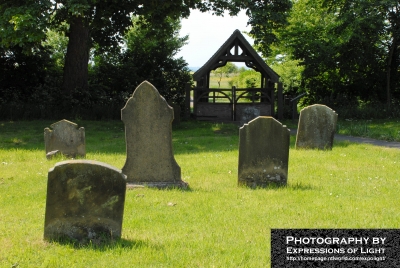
(185, 189)
(168, 188)
(294, 187)
(336, 144)
(190, 137)
(342, 144)
(103, 244)
(300, 187)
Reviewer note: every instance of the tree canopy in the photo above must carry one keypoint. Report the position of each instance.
(339, 51)
(348, 50)
(102, 24)
(149, 55)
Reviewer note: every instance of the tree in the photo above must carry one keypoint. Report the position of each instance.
(57, 43)
(347, 48)
(372, 32)
(266, 17)
(247, 78)
(101, 24)
(227, 70)
(149, 55)
(289, 69)
(21, 73)
(90, 23)
(308, 38)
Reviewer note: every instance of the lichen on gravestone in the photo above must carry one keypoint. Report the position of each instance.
(85, 201)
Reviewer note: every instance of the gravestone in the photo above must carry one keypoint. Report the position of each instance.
(85, 201)
(177, 113)
(52, 154)
(316, 128)
(148, 133)
(65, 137)
(263, 153)
(249, 113)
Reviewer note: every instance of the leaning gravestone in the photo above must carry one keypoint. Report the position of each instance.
(148, 133)
(316, 129)
(85, 201)
(65, 137)
(263, 153)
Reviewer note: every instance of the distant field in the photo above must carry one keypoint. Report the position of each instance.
(224, 82)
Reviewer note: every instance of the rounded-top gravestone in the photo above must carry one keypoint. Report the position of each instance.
(85, 201)
(263, 153)
(316, 129)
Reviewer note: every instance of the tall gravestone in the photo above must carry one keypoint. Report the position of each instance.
(148, 133)
(85, 201)
(316, 128)
(65, 137)
(263, 153)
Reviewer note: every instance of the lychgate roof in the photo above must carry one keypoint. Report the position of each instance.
(236, 49)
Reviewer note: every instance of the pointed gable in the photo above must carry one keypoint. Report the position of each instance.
(236, 49)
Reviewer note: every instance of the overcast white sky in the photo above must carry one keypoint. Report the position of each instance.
(207, 33)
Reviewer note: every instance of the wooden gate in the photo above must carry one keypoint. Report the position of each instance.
(231, 104)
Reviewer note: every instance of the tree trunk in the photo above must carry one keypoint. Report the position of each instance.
(77, 57)
(389, 71)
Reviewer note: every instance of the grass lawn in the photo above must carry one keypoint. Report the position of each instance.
(215, 223)
(381, 129)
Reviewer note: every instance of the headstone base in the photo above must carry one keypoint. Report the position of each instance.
(83, 230)
(262, 183)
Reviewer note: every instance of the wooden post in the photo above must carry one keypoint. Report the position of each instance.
(294, 106)
(213, 96)
(280, 101)
(188, 88)
(294, 111)
(234, 103)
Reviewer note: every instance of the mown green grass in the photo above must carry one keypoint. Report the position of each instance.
(214, 223)
(381, 129)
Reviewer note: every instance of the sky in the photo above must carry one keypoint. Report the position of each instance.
(207, 33)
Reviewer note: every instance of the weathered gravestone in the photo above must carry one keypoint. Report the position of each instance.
(249, 113)
(316, 129)
(65, 137)
(263, 153)
(148, 133)
(177, 113)
(85, 201)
